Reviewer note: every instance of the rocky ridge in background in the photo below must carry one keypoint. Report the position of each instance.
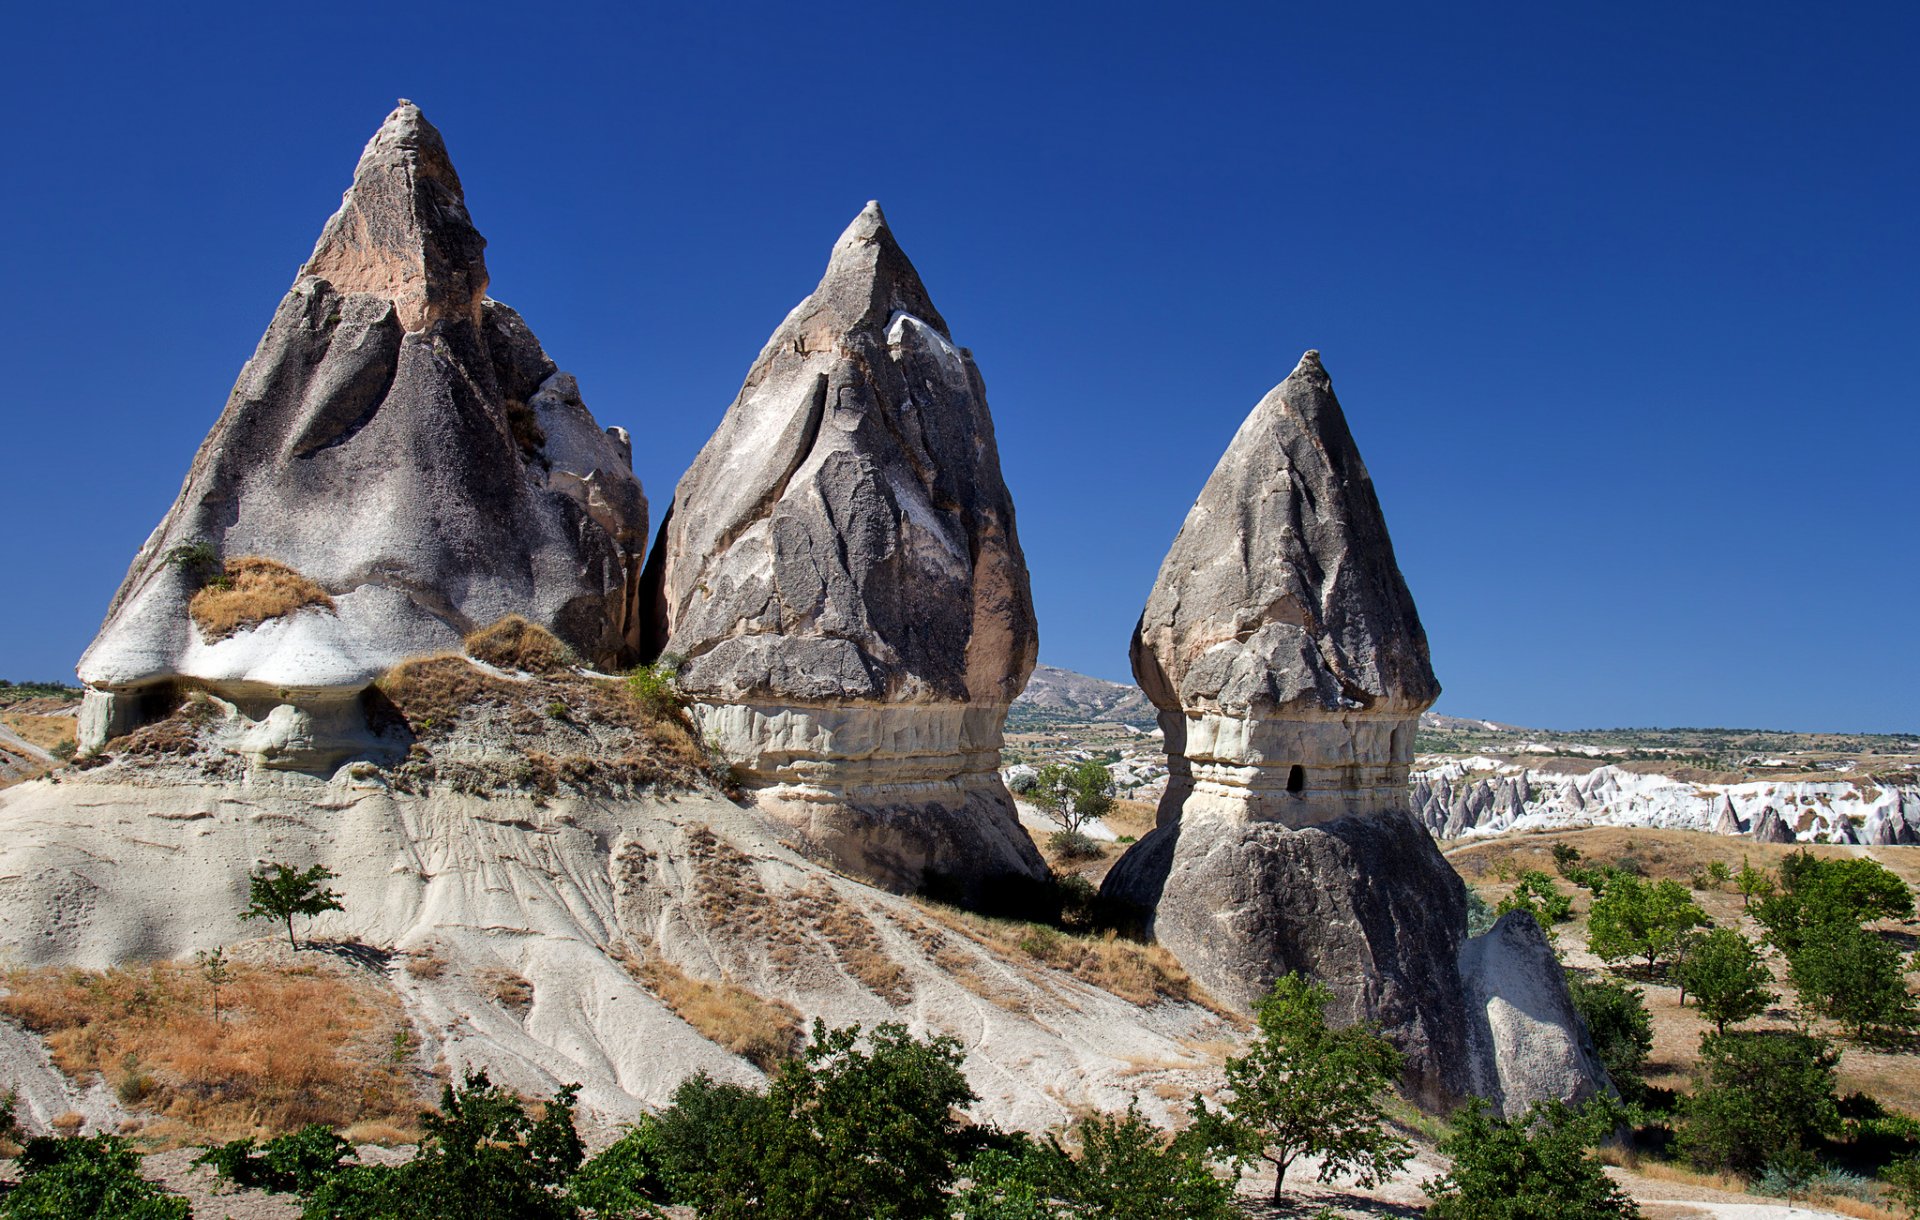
(1461, 797)
(399, 464)
(1284, 652)
(841, 583)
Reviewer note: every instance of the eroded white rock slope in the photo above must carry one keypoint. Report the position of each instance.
(1459, 797)
(557, 892)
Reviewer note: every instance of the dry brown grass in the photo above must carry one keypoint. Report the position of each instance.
(514, 643)
(252, 590)
(1675, 854)
(742, 1022)
(854, 941)
(1138, 973)
(47, 732)
(509, 990)
(293, 1046)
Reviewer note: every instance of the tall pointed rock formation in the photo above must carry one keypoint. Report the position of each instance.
(1287, 660)
(404, 452)
(841, 575)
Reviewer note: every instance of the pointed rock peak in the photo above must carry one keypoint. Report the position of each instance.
(402, 231)
(869, 278)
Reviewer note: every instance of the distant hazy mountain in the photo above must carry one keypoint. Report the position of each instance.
(1061, 693)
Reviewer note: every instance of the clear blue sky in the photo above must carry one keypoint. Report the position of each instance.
(1621, 299)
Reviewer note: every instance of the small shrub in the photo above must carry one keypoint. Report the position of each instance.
(1537, 1166)
(1073, 845)
(254, 590)
(87, 1179)
(654, 687)
(1041, 942)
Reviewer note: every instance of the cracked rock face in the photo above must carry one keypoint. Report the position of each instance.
(404, 442)
(1287, 660)
(841, 573)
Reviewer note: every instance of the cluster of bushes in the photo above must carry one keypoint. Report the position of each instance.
(1763, 1103)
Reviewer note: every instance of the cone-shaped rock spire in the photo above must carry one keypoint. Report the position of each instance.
(1281, 594)
(841, 574)
(1284, 652)
(404, 452)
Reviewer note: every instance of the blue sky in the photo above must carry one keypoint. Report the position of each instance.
(1620, 299)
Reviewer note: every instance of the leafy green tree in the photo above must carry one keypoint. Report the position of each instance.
(1903, 1182)
(1616, 1016)
(1537, 1166)
(298, 1163)
(1074, 795)
(1815, 892)
(1566, 860)
(1632, 918)
(87, 1179)
(1727, 978)
(1539, 897)
(1753, 883)
(852, 1129)
(1855, 976)
(1756, 1097)
(483, 1157)
(280, 892)
(1305, 1088)
(1126, 1169)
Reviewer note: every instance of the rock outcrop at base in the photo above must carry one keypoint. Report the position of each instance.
(1285, 655)
(413, 463)
(840, 572)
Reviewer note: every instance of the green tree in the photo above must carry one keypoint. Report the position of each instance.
(280, 892)
(1855, 976)
(1305, 1088)
(1126, 1169)
(1539, 897)
(1566, 860)
(1632, 918)
(1753, 883)
(87, 1179)
(1903, 1182)
(483, 1157)
(1616, 1016)
(1074, 795)
(1816, 892)
(852, 1129)
(1537, 1166)
(1727, 978)
(1756, 1097)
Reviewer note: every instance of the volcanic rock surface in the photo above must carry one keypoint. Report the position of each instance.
(1290, 669)
(403, 443)
(841, 574)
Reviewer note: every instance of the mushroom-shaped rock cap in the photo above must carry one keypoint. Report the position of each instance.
(1281, 595)
(402, 445)
(845, 534)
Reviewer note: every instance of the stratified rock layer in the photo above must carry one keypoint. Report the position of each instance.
(841, 575)
(405, 443)
(1287, 660)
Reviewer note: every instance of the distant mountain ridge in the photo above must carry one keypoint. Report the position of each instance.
(1057, 693)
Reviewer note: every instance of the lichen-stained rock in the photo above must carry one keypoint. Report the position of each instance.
(841, 573)
(403, 442)
(1290, 669)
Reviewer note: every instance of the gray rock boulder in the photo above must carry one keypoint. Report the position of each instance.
(1526, 1040)
(1288, 663)
(401, 442)
(840, 572)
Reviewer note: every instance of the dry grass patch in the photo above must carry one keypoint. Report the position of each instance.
(292, 1045)
(50, 733)
(854, 941)
(251, 590)
(515, 643)
(508, 989)
(1138, 973)
(742, 1022)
